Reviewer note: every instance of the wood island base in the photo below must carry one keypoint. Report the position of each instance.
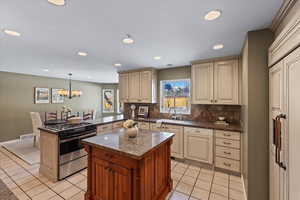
(116, 176)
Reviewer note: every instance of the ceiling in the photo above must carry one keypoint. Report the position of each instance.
(175, 30)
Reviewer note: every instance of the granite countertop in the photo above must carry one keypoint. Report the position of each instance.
(133, 147)
(197, 124)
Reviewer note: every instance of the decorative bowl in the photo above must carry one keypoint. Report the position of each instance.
(131, 132)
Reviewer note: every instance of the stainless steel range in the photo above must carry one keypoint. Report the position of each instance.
(72, 156)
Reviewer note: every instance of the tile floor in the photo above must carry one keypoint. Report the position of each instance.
(190, 182)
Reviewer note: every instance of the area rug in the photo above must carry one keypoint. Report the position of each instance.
(24, 149)
(5, 193)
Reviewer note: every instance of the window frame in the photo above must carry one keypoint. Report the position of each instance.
(187, 111)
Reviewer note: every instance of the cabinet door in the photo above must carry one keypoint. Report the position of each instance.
(202, 83)
(102, 186)
(226, 82)
(124, 87)
(121, 183)
(134, 87)
(177, 145)
(292, 136)
(198, 144)
(146, 86)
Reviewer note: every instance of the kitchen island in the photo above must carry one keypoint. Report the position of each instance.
(122, 168)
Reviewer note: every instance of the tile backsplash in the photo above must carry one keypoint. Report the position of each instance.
(210, 113)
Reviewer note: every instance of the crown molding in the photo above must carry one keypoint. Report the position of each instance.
(282, 13)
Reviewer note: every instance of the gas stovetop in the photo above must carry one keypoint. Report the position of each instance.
(66, 126)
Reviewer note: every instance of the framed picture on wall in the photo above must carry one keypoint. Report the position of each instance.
(55, 97)
(41, 95)
(108, 101)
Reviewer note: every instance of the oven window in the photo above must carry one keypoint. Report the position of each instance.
(70, 146)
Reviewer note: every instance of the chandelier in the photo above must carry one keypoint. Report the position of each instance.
(70, 93)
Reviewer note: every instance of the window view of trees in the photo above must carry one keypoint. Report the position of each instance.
(175, 96)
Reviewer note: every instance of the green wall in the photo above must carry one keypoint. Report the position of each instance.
(17, 100)
(255, 111)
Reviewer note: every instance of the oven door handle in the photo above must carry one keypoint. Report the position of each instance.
(78, 137)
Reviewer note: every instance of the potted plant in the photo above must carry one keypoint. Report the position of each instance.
(130, 128)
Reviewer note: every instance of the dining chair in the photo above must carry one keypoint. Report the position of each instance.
(88, 115)
(36, 123)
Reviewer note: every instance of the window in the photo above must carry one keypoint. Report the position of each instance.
(175, 96)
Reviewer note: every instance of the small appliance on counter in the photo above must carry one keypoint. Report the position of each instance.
(221, 121)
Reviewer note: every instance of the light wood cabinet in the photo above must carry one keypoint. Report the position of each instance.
(215, 82)
(203, 76)
(134, 87)
(139, 86)
(198, 144)
(124, 87)
(226, 82)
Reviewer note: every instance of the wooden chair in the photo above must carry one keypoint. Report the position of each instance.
(51, 116)
(89, 115)
(36, 123)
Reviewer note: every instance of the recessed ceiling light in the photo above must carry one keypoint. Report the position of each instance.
(46, 70)
(118, 64)
(218, 46)
(128, 40)
(57, 2)
(156, 57)
(80, 53)
(12, 33)
(212, 15)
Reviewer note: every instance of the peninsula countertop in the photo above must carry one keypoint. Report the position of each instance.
(117, 141)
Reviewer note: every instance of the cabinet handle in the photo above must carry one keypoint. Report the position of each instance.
(227, 153)
(216, 101)
(227, 143)
(227, 135)
(227, 164)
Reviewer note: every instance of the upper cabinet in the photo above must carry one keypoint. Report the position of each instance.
(138, 86)
(215, 82)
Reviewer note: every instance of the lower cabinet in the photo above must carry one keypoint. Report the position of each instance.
(198, 144)
(115, 181)
(144, 125)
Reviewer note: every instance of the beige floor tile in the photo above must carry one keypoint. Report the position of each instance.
(207, 171)
(188, 180)
(236, 186)
(44, 195)
(31, 184)
(82, 185)
(76, 178)
(200, 194)
(20, 194)
(183, 165)
(203, 184)
(84, 172)
(184, 188)
(78, 196)
(192, 173)
(235, 179)
(219, 189)
(205, 177)
(220, 181)
(221, 175)
(71, 191)
(214, 196)
(178, 196)
(180, 170)
(175, 184)
(61, 186)
(56, 197)
(36, 190)
(176, 176)
(24, 180)
(192, 167)
(236, 195)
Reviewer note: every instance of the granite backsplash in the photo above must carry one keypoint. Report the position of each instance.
(205, 113)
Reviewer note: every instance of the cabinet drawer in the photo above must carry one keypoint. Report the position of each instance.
(144, 125)
(117, 125)
(228, 153)
(228, 143)
(225, 163)
(104, 128)
(228, 135)
(155, 127)
(198, 131)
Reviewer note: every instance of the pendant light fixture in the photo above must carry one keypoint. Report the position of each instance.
(70, 93)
